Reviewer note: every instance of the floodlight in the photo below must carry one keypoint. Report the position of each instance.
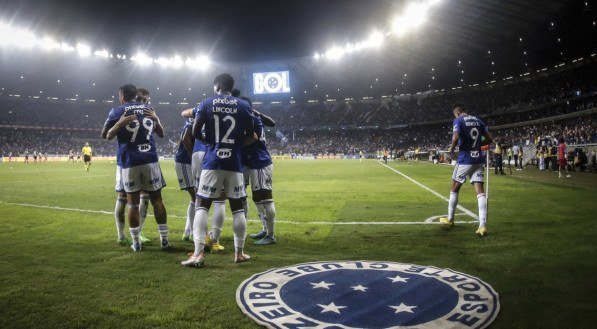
(141, 58)
(48, 43)
(102, 53)
(83, 50)
(334, 53)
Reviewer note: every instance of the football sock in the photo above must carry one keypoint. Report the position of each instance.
(119, 217)
(261, 212)
(453, 202)
(143, 210)
(217, 221)
(135, 234)
(482, 202)
(163, 230)
(239, 226)
(190, 216)
(270, 216)
(199, 229)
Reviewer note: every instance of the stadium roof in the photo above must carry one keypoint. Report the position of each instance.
(463, 41)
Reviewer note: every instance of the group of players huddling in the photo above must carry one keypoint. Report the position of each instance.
(222, 148)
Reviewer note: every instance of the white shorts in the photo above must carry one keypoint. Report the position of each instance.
(261, 179)
(196, 164)
(186, 180)
(147, 177)
(212, 183)
(474, 171)
(119, 185)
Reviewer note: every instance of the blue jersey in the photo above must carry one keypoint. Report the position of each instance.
(136, 145)
(470, 130)
(227, 119)
(257, 156)
(182, 156)
(198, 145)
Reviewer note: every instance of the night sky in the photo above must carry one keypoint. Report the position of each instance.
(241, 30)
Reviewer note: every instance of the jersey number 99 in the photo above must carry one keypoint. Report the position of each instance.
(134, 126)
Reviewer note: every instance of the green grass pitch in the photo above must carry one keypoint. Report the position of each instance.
(62, 267)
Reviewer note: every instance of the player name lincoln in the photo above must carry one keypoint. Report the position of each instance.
(227, 110)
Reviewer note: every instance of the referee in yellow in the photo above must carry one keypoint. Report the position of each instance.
(87, 155)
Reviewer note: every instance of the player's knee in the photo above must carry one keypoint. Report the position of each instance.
(155, 197)
(203, 203)
(237, 204)
(262, 195)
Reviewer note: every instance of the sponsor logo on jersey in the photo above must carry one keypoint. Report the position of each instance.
(224, 153)
(225, 101)
(366, 294)
(144, 147)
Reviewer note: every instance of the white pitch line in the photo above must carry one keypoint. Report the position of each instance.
(52, 179)
(281, 221)
(466, 211)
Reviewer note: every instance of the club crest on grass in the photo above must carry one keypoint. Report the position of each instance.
(367, 294)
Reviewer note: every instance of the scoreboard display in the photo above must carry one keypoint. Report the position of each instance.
(271, 83)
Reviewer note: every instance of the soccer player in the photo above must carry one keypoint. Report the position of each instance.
(467, 133)
(26, 156)
(261, 170)
(134, 123)
(562, 158)
(143, 97)
(184, 172)
(87, 156)
(218, 205)
(228, 126)
(34, 156)
(71, 154)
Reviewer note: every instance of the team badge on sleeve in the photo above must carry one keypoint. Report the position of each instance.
(367, 294)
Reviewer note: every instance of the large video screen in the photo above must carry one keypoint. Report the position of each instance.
(271, 83)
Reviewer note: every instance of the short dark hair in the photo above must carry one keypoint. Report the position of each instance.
(142, 95)
(460, 105)
(129, 92)
(225, 82)
(248, 101)
(235, 92)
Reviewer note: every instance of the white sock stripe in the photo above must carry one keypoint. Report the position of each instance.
(238, 211)
(480, 195)
(202, 208)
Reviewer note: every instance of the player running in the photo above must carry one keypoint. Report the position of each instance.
(86, 151)
(228, 126)
(467, 133)
(133, 123)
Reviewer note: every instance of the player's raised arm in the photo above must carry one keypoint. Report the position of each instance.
(123, 121)
(159, 129)
(267, 121)
(188, 113)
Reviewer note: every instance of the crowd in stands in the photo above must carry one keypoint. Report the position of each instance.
(346, 127)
